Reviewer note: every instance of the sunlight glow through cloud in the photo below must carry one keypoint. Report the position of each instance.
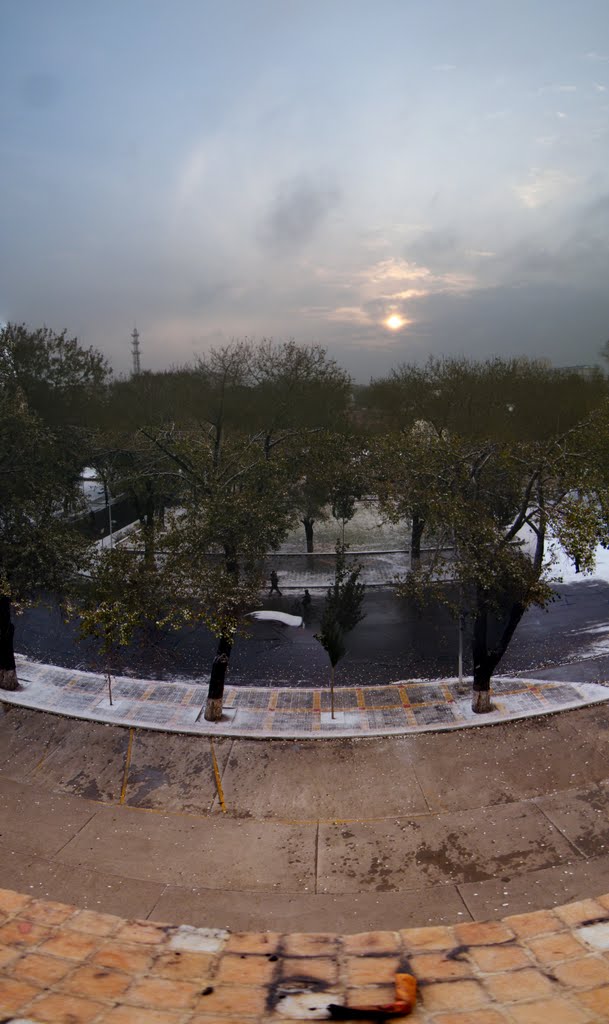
(394, 322)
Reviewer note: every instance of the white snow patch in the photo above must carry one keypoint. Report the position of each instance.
(198, 940)
(564, 568)
(272, 616)
(596, 935)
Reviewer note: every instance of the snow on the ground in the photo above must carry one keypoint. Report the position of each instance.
(273, 616)
(564, 568)
(365, 532)
(561, 568)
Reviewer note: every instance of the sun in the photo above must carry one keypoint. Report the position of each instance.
(394, 322)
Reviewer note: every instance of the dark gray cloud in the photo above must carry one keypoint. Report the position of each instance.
(566, 324)
(299, 208)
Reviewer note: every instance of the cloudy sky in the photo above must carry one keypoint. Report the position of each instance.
(391, 178)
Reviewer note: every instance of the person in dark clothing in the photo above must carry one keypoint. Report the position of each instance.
(274, 583)
(306, 601)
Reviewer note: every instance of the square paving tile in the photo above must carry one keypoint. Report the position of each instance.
(126, 689)
(295, 700)
(387, 718)
(167, 694)
(246, 718)
(559, 694)
(509, 685)
(258, 699)
(517, 703)
(152, 715)
(285, 721)
(424, 693)
(435, 714)
(382, 696)
(346, 700)
(84, 684)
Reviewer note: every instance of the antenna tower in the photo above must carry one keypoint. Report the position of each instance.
(135, 351)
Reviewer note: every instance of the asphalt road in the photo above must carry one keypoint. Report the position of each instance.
(393, 641)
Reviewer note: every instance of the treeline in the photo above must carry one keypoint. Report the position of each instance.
(493, 459)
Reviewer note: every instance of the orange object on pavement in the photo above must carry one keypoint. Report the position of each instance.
(405, 999)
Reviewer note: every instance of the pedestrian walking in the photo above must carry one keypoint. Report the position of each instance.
(305, 607)
(274, 583)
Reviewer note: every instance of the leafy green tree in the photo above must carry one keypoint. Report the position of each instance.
(342, 611)
(326, 470)
(517, 400)
(233, 510)
(410, 473)
(63, 383)
(501, 503)
(51, 389)
(39, 547)
(121, 595)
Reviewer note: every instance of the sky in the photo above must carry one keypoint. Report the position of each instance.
(391, 179)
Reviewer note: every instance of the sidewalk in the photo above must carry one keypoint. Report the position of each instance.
(403, 707)
(316, 571)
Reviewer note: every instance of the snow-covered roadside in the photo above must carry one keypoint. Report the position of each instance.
(563, 568)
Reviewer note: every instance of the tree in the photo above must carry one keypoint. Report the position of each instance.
(504, 399)
(39, 547)
(343, 499)
(224, 383)
(123, 593)
(501, 503)
(62, 382)
(297, 389)
(342, 611)
(233, 510)
(411, 472)
(49, 388)
(514, 400)
(326, 470)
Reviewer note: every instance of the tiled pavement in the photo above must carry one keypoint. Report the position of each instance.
(399, 708)
(63, 965)
(404, 707)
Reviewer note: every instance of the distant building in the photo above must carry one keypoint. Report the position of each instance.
(586, 370)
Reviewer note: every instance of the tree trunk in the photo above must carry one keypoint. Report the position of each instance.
(418, 525)
(215, 694)
(149, 531)
(308, 525)
(8, 671)
(485, 660)
(231, 560)
(218, 444)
